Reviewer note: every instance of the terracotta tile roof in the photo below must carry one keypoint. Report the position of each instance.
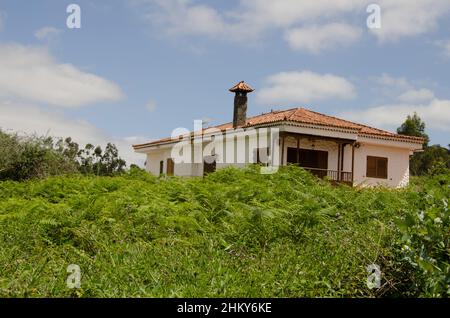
(308, 117)
(241, 87)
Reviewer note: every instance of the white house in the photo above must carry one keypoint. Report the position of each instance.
(337, 149)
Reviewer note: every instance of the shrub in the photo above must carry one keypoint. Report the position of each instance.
(235, 233)
(426, 238)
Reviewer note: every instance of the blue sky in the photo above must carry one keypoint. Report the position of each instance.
(136, 70)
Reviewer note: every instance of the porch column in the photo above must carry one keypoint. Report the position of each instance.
(298, 150)
(342, 159)
(353, 163)
(282, 148)
(339, 162)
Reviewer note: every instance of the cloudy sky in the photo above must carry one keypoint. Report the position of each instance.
(138, 69)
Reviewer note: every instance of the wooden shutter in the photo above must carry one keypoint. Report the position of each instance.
(377, 167)
(382, 168)
(371, 167)
(170, 167)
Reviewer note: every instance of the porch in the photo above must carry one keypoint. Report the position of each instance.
(325, 157)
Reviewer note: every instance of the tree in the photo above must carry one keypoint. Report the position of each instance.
(27, 157)
(434, 159)
(94, 161)
(414, 126)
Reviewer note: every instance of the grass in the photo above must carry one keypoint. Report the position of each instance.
(235, 233)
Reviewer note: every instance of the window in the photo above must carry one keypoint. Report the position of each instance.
(377, 167)
(170, 167)
(161, 167)
(308, 158)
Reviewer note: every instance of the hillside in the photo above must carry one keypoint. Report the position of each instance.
(234, 234)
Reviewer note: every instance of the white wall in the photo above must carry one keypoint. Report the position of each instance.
(398, 165)
(398, 161)
(153, 159)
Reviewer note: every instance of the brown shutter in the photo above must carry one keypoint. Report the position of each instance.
(170, 167)
(377, 167)
(371, 167)
(382, 168)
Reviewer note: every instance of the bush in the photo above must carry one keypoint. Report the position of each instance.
(426, 238)
(31, 157)
(235, 233)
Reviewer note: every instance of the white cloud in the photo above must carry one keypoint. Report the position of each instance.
(317, 38)
(416, 96)
(436, 115)
(47, 33)
(30, 119)
(405, 18)
(404, 100)
(184, 18)
(250, 20)
(30, 73)
(304, 87)
(151, 105)
(403, 89)
(287, 13)
(133, 140)
(246, 22)
(387, 80)
(390, 86)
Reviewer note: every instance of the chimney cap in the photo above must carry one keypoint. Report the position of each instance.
(241, 87)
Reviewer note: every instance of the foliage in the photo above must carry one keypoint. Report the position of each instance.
(426, 237)
(31, 157)
(92, 160)
(434, 159)
(236, 233)
(414, 126)
(28, 157)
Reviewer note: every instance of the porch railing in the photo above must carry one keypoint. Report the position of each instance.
(333, 175)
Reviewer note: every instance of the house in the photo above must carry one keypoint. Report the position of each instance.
(329, 147)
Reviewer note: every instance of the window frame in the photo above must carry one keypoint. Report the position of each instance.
(384, 174)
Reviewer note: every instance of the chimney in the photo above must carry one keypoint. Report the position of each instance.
(240, 103)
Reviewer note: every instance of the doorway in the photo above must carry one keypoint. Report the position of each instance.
(316, 160)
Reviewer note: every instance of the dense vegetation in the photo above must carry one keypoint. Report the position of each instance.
(234, 233)
(32, 157)
(434, 159)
